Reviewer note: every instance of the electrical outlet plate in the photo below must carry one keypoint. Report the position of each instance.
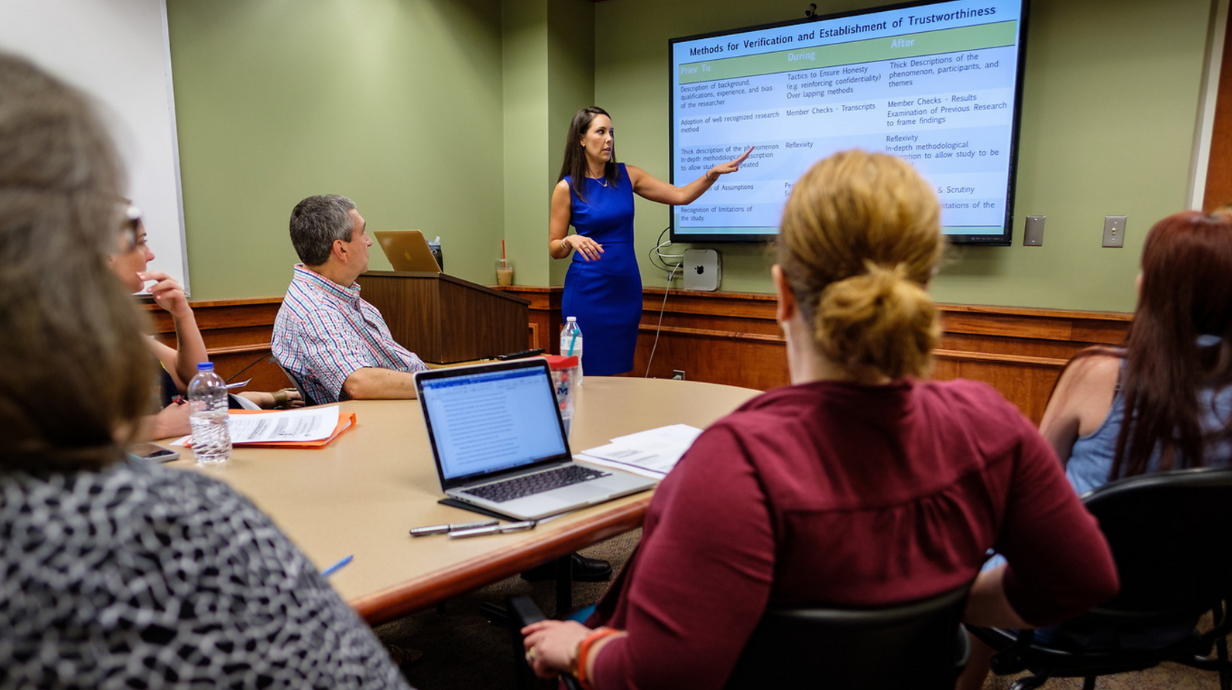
(678, 374)
(1114, 231)
(1033, 235)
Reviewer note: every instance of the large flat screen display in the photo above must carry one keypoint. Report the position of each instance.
(936, 83)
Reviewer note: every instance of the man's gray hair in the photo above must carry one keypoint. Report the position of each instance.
(316, 222)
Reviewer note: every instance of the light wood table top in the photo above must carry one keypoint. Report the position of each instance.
(361, 494)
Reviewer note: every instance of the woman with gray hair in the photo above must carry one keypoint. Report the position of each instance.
(120, 573)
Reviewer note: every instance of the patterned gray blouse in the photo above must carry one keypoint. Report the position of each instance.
(145, 577)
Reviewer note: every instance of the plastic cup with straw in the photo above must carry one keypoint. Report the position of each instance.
(504, 269)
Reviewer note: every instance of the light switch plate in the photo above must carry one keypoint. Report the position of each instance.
(1114, 231)
(1033, 235)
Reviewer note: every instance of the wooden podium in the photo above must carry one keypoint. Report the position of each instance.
(444, 319)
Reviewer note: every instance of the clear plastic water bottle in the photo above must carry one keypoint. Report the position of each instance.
(571, 342)
(565, 372)
(207, 396)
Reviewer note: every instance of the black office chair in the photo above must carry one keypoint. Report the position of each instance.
(915, 646)
(1171, 538)
(920, 645)
(303, 394)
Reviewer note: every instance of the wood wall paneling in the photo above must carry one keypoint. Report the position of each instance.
(733, 338)
(237, 333)
(545, 321)
(1219, 168)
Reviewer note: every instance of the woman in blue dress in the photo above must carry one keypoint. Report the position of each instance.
(603, 288)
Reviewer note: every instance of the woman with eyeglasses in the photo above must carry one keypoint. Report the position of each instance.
(178, 364)
(119, 573)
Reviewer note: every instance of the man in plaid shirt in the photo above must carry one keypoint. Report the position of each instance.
(333, 342)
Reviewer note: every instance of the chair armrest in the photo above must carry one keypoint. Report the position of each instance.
(522, 612)
(1221, 629)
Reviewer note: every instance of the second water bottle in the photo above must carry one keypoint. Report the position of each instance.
(571, 342)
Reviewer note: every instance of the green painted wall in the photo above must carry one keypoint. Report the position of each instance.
(449, 115)
(571, 76)
(394, 103)
(526, 138)
(549, 74)
(1109, 111)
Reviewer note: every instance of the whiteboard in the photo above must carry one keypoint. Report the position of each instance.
(118, 52)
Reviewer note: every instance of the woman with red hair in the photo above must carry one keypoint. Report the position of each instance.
(1162, 401)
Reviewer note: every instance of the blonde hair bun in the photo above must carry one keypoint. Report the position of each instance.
(860, 239)
(861, 321)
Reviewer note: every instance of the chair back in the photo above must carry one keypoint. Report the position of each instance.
(917, 645)
(1171, 538)
(303, 394)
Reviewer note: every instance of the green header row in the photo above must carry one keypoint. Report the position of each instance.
(983, 36)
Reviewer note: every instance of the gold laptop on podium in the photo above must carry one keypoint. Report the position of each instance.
(407, 250)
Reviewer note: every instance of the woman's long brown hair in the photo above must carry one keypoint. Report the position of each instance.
(574, 164)
(1186, 292)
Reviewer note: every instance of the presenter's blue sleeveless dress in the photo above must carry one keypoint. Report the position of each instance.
(605, 295)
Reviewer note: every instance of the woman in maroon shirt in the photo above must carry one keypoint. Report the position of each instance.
(857, 485)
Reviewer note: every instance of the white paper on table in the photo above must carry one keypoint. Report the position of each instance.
(307, 424)
(670, 435)
(652, 453)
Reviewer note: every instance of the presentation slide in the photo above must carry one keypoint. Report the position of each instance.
(935, 84)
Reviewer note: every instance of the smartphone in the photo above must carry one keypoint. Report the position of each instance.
(152, 452)
(520, 355)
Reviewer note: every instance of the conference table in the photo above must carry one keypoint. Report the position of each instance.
(360, 495)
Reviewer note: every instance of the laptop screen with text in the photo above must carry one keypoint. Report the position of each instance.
(488, 421)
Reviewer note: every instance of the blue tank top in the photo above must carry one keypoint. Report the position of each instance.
(1090, 461)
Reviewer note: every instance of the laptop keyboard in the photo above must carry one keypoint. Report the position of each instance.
(531, 484)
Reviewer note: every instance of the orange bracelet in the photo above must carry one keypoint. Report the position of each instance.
(583, 651)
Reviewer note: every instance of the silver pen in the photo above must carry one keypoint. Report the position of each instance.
(444, 529)
(494, 529)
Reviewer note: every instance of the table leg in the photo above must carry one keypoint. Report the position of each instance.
(564, 585)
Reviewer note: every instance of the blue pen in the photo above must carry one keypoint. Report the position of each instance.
(336, 567)
(572, 342)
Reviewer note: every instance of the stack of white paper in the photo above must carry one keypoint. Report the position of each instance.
(652, 453)
(305, 424)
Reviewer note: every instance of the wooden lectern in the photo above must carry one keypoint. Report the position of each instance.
(444, 319)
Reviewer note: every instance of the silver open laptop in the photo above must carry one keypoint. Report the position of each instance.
(499, 442)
